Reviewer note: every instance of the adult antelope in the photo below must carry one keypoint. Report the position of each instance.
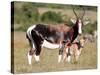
(52, 37)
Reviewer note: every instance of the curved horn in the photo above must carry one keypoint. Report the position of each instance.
(83, 13)
(74, 12)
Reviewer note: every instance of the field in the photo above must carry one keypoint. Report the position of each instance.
(26, 14)
(48, 58)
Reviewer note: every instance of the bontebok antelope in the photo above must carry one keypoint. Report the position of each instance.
(52, 37)
(75, 49)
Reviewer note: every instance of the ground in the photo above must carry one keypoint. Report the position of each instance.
(48, 58)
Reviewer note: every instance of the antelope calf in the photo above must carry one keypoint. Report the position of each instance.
(75, 50)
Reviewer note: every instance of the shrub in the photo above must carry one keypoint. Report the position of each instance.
(90, 28)
(51, 16)
(30, 12)
(25, 16)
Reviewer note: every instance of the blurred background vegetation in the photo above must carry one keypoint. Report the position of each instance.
(25, 14)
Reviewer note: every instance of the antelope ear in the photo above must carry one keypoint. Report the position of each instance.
(73, 20)
(86, 22)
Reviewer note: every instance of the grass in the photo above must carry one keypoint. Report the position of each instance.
(48, 63)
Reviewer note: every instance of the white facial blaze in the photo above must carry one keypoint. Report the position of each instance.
(80, 27)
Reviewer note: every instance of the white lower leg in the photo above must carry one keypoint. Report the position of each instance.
(64, 56)
(77, 57)
(67, 50)
(59, 58)
(29, 59)
(36, 58)
(69, 59)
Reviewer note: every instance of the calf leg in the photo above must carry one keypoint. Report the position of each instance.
(76, 58)
(64, 56)
(77, 55)
(68, 55)
(65, 51)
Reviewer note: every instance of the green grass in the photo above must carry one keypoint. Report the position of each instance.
(48, 58)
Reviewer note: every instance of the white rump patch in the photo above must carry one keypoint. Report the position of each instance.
(50, 45)
(30, 29)
(29, 34)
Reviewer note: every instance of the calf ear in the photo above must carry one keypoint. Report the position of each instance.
(73, 20)
(84, 38)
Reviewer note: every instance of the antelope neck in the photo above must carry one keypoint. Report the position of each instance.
(75, 31)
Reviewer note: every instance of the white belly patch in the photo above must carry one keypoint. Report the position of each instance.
(50, 45)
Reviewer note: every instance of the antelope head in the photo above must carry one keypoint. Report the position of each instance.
(78, 20)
